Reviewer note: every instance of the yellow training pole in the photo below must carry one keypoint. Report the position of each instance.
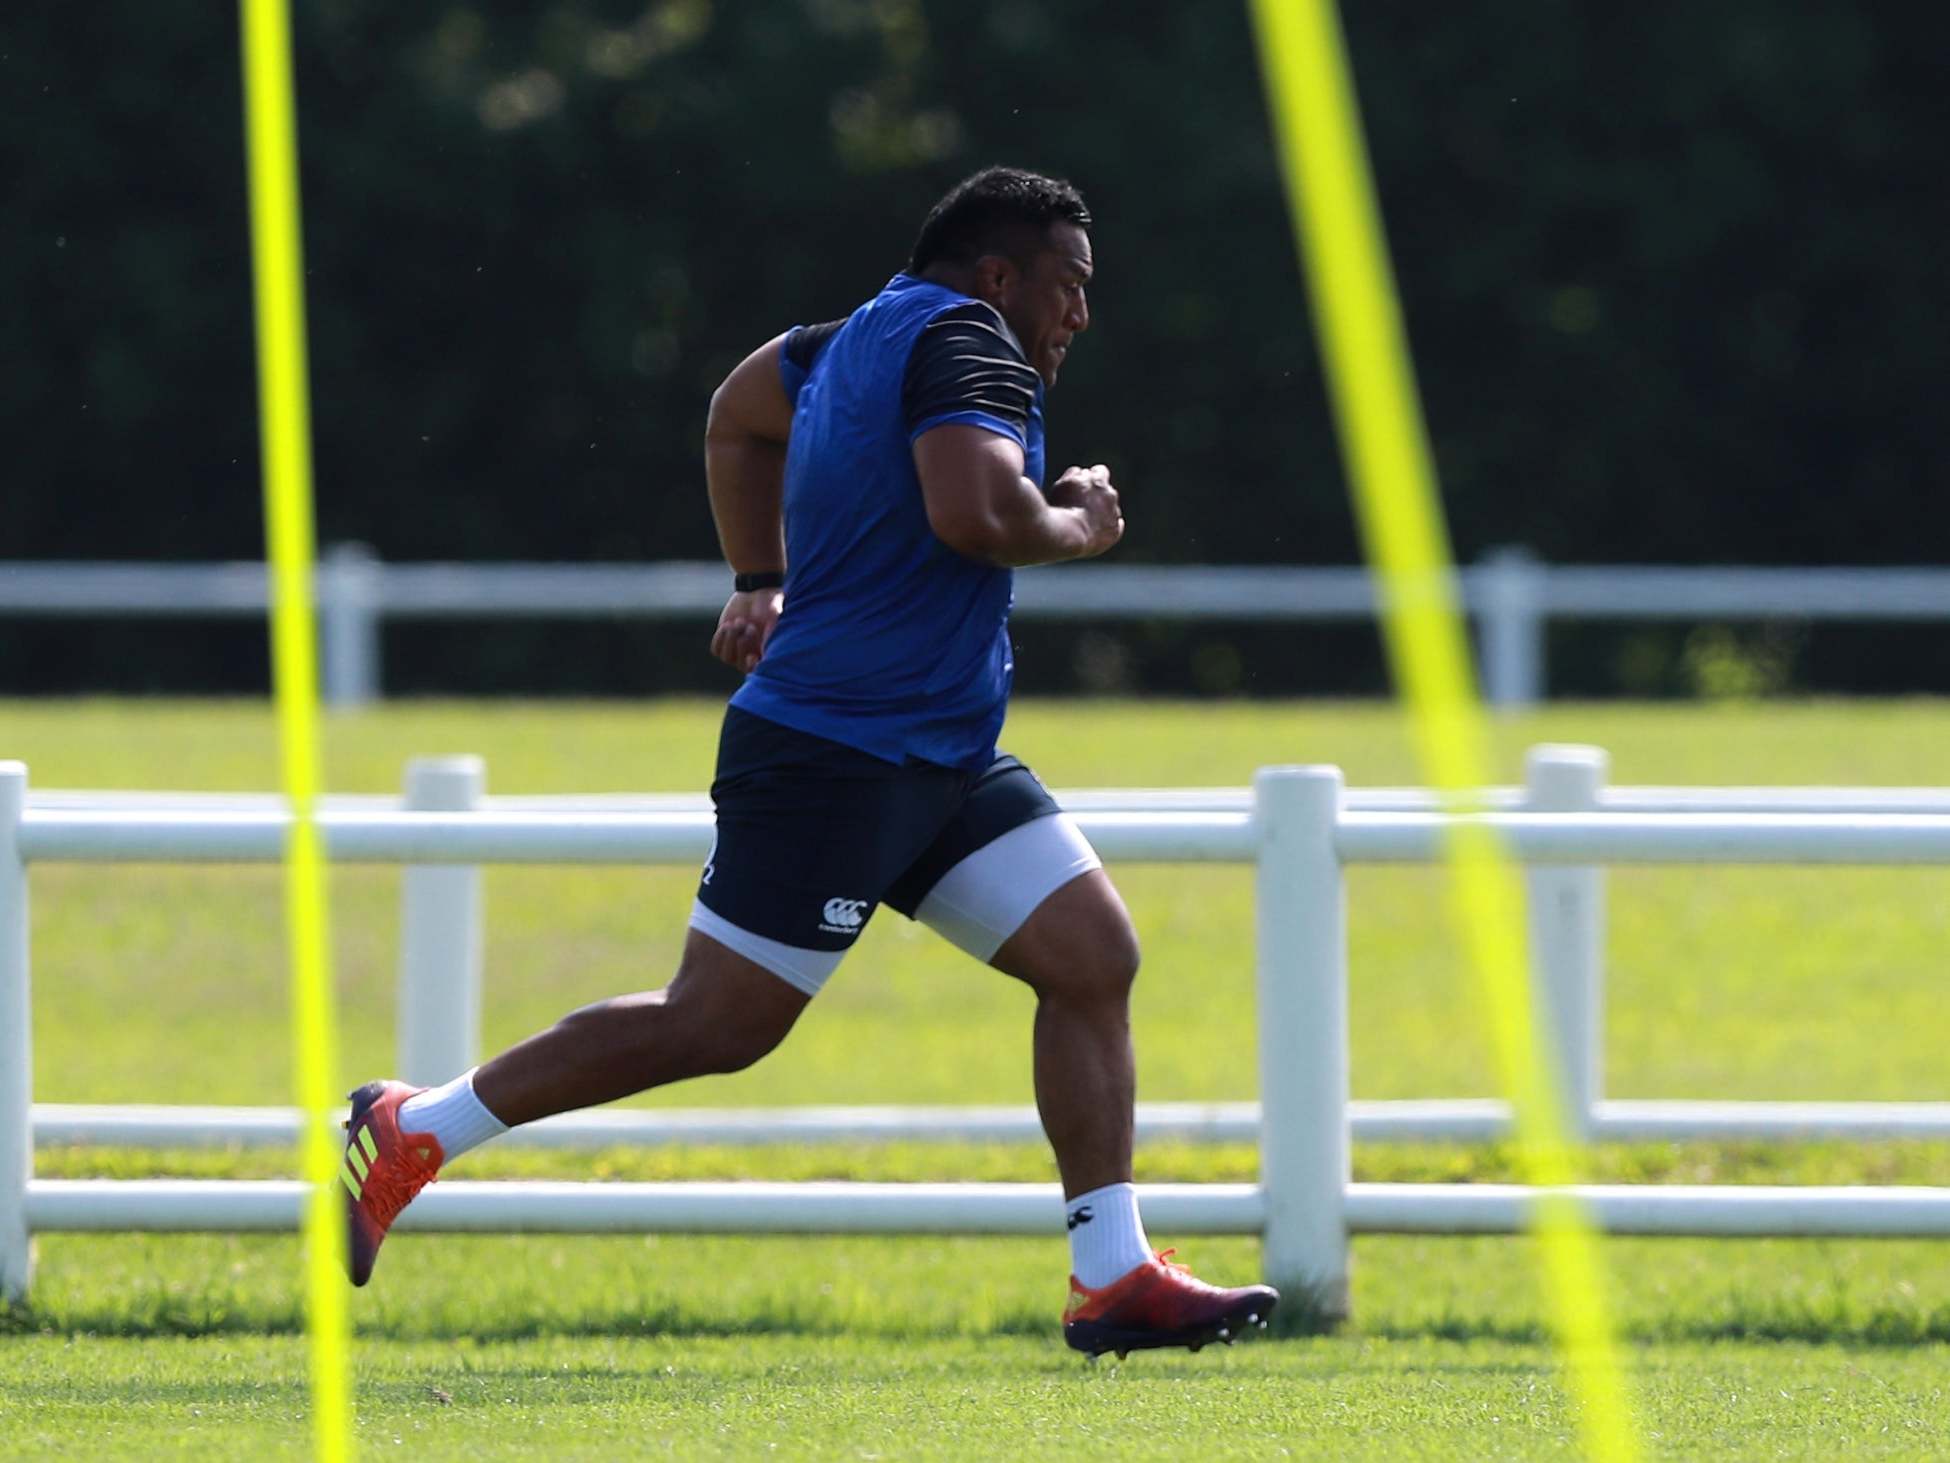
(1365, 356)
(284, 425)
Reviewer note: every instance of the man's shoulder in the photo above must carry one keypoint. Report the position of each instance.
(876, 341)
(967, 325)
(905, 305)
(910, 303)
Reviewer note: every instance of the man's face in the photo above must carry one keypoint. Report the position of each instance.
(1044, 304)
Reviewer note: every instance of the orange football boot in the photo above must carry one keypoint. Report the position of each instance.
(1161, 1304)
(383, 1169)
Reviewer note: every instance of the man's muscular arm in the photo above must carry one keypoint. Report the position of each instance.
(981, 506)
(744, 461)
(744, 471)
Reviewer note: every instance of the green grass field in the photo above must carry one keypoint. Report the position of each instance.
(167, 984)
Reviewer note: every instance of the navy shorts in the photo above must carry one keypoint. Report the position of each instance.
(814, 835)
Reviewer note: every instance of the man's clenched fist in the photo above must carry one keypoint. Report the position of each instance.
(1088, 490)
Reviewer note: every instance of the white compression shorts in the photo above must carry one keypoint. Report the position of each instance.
(976, 906)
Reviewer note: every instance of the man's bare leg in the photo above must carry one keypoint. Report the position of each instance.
(1079, 953)
(720, 1013)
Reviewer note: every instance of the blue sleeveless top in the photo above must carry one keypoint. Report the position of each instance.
(890, 641)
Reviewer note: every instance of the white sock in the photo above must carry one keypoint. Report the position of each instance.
(457, 1118)
(1106, 1236)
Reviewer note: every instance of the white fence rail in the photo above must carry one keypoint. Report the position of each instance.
(1300, 835)
(1512, 595)
(440, 987)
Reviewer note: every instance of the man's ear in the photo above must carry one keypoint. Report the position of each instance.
(996, 277)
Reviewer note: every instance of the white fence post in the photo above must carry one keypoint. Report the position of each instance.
(1510, 611)
(16, 1044)
(348, 604)
(440, 935)
(1303, 1061)
(1567, 929)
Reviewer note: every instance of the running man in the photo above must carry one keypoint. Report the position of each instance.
(874, 481)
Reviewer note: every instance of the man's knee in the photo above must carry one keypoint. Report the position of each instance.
(1080, 944)
(1118, 956)
(726, 1011)
(1104, 950)
(1100, 967)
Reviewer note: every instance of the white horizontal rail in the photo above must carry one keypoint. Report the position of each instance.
(1643, 799)
(1627, 1120)
(1172, 836)
(174, 1205)
(1094, 800)
(584, 1208)
(69, 587)
(73, 834)
(674, 587)
(1646, 591)
(198, 1127)
(1512, 595)
(1419, 1120)
(1612, 838)
(367, 837)
(1730, 1210)
(1242, 591)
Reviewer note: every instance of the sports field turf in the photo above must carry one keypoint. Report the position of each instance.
(159, 984)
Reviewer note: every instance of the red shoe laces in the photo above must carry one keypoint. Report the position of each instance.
(391, 1185)
(1181, 1275)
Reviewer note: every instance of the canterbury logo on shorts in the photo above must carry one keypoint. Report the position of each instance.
(843, 916)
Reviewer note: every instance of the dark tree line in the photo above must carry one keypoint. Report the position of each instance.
(1672, 274)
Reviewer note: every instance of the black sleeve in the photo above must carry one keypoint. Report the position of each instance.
(803, 343)
(967, 360)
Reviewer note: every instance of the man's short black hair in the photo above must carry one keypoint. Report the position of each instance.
(996, 211)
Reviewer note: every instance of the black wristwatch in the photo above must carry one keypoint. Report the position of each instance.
(769, 579)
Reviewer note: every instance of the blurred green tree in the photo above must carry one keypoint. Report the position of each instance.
(1670, 274)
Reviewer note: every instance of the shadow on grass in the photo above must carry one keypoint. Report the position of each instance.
(146, 1391)
(1802, 1325)
(1305, 1312)
(187, 1319)
(1811, 1324)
